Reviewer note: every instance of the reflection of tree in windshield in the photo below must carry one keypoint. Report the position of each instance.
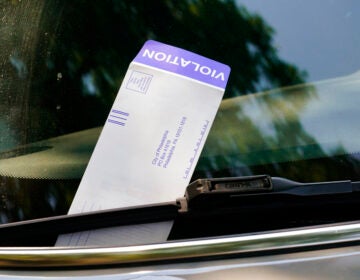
(264, 134)
(23, 199)
(84, 48)
(62, 63)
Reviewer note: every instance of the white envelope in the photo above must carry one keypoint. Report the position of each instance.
(154, 133)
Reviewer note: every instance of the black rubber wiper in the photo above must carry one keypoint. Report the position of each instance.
(213, 205)
(207, 192)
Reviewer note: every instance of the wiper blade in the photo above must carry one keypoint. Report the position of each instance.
(332, 187)
(207, 192)
(207, 202)
(38, 232)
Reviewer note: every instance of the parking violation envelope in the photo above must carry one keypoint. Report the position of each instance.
(151, 140)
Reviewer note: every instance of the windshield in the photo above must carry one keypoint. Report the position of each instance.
(289, 110)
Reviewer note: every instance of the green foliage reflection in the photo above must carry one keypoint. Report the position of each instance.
(81, 50)
(62, 62)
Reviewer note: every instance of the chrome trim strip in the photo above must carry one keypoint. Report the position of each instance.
(86, 256)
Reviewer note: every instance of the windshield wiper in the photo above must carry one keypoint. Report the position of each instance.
(207, 192)
(210, 207)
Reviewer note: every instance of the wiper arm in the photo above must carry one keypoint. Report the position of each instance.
(332, 187)
(207, 192)
(208, 201)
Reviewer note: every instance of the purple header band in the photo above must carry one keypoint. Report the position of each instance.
(184, 63)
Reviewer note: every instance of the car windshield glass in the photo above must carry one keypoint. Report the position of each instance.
(289, 110)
